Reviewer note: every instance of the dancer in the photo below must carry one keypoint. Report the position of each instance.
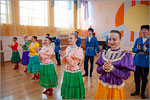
(72, 85)
(15, 54)
(48, 76)
(34, 61)
(25, 54)
(114, 65)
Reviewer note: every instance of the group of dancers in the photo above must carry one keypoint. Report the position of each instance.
(114, 64)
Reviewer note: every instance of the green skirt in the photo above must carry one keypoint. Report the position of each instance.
(15, 57)
(34, 64)
(72, 86)
(48, 76)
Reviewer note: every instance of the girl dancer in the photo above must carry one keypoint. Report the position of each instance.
(48, 76)
(25, 54)
(34, 61)
(114, 65)
(15, 54)
(72, 85)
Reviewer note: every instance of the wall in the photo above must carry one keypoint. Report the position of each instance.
(126, 16)
(102, 15)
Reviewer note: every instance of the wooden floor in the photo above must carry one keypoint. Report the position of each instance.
(15, 84)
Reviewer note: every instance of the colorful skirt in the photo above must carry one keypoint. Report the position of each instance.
(72, 85)
(105, 91)
(34, 64)
(15, 57)
(48, 76)
(25, 57)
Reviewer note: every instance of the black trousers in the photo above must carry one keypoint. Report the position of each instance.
(58, 58)
(141, 73)
(86, 59)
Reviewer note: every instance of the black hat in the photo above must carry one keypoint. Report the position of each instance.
(91, 29)
(145, 26)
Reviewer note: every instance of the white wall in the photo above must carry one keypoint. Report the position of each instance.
(102, 17)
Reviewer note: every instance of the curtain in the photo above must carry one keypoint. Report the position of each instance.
(83, 14)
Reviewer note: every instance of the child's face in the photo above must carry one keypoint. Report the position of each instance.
(71, 39)
(25, 37)
(114, 40)
(32, 39)
(90, 32)
(76, 32)
(14, 40)
(46, 41)
(144, 32)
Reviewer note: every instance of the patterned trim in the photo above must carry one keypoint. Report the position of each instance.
(46, 63)
(109, 52)
(74, 71)
(48, 84)
(114, 55)
(32, 56)
(33, 71)
(112, 86)
(73, 98)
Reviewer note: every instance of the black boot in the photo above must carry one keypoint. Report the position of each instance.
(143, 96)
(58, 64)
(137, 87)
(143, 91)
(86, 73)
(90, 74)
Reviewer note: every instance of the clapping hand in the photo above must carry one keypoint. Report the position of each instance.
(107, 65)
(138, 46)
(27, 46)
(62, 53)
(9, 45)
(144, 47)
(21, 45)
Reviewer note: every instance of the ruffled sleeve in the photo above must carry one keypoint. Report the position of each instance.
(47, 53)
(31, 48)
(14, 47)
(127, 65)
(75, 58)
(66, 50)
(127, 62)
(78, 55)
(37, 45)
(100, 64)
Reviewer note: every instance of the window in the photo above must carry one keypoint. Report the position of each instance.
(4, 11)
(63, 14)
(34, 13)
(83, 15)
